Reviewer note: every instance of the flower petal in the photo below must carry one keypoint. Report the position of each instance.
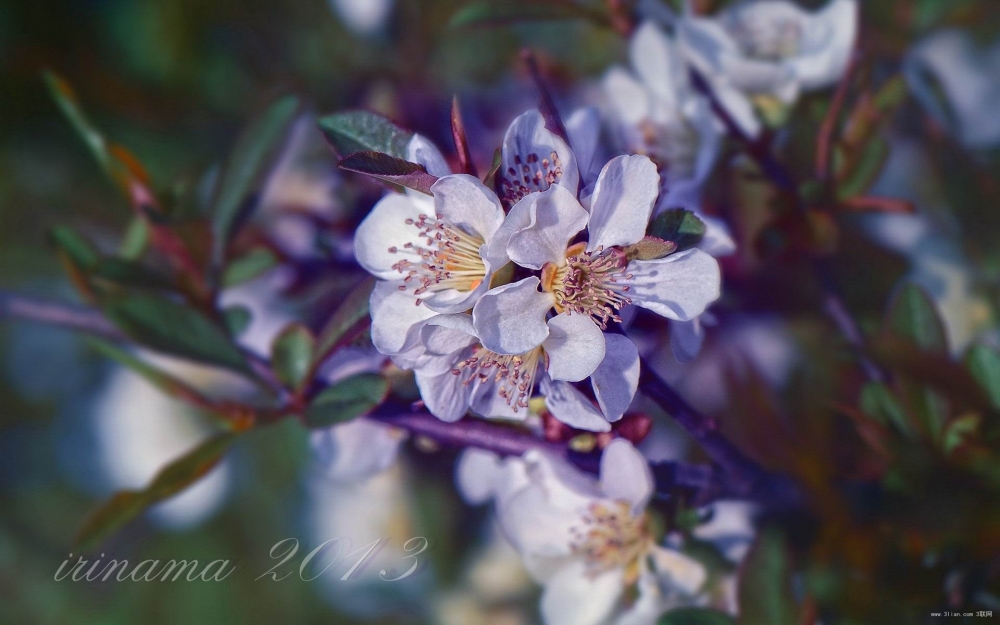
(716, 241)
(623, 199)
(575, 347)
(679, 287)
(466, 202)
(446, 395)
(383, 229)
(625, 475)
(827, 43)
(658, 63)
(422, 151)
(476, 474)
(584, 130)
(511, 319)
(553, 218)
(576, 597)
(572, 407)
(629, 98)
(357, 450)
(394, 315)
(686, 338)
(527, 147)
(617, 377)
(678, 570)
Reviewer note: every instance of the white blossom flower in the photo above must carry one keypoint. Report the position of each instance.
(958, 82)
(364, 17)
(587, 541)
(593, 278)
(455, 372)
(764, 53)
(657, 113)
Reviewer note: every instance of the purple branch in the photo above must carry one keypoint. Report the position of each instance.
(703, 482)
(743, 476)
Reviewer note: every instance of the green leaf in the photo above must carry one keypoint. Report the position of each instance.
(864, 169)
(129, 273)
(175, 477)
(249, 266)
(695, 616)
(346, 400)
(913, 317)
(292, 355)
(959, 430)
(250, 159)
(136, 239)
(879, 402)
(500, 13)
(364, 131)
(77, 249)
(984, 365)
(679, 226)
(237, 319)
(765, 591)
(350, 315)
(167, 326)
(390, 169)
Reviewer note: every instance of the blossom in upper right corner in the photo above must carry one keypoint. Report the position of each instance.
(758, 56)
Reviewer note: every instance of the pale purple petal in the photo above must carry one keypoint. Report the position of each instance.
(623, 199)
(511, 319)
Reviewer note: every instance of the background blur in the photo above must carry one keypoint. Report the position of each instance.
(175, 81)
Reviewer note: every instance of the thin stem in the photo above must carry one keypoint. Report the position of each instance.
(744, 476)
(546, 106)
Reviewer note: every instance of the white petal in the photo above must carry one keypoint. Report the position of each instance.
(617, 377)
(445, 395)
(394, 315)
(573, 597)
(625, 475)
(466, 202)
(623, 199)
(446, 334)
(422, 151)
(630, 99)
(657, 62)
(827, 44)
(575, 346)
(572, 407)
(717, 241)
(678, 570)
(554, 217)
(384, 228)
(686, 338)
(486, 401)
(476, 474)
(356, 450)
(528, 139)
(584, 130)
(511, 319)
(679, 287)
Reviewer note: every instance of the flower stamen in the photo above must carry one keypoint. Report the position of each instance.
(448, 258)
(590, 283)
(532, 174)
(514, 373)
(610, 537)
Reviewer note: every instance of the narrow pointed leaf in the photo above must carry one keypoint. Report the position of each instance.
(292, 355)
(170, 327)
(363, 131)
(249, 266)
(765, 590)
(390, 169)
(348, 399)
(913, 317)
(350, 316)
(251, 158)
(984, 364)
(172, 479)
(501, 13)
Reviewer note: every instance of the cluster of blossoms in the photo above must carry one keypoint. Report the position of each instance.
(478, 339)
(503, 300)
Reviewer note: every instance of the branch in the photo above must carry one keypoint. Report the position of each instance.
(833, 301)
(704, 481)
(744, 476)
